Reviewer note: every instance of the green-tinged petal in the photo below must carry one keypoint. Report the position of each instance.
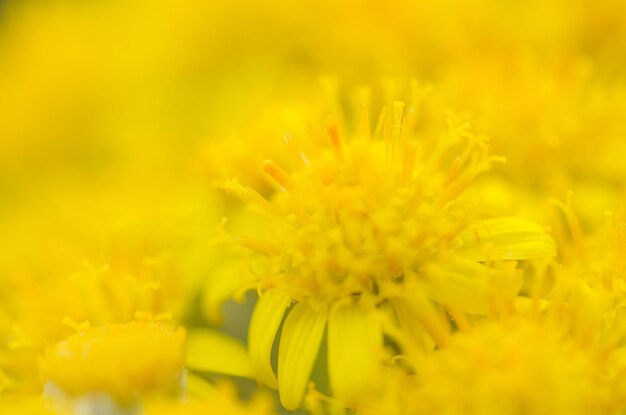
(198, 387)
(299, 344)
(354, 347)
(506, 239)
(469, 286)
(266, 318)
(212, 351)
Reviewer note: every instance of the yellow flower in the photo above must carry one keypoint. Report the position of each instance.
(588, 284)
(113, 365)
(377, 222)
(103, 253)
(512, 367)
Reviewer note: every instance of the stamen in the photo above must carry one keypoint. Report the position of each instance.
(333, 134)
(396, 130)
(249, 195)
(74, 325)
(364, 122)
(279, 175)
(260, 246)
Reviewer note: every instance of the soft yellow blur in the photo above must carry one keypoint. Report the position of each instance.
(122, 120)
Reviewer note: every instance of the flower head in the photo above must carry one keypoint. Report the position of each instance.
(121, 362)
(387, 218)
(512, 367)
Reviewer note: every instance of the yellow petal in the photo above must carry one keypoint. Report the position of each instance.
(299, 344)
(198, 387)
(415, 307)
(469, 286)
(212, 351)
(266, 318)
(354, 347)
(506, 239)
(416, 334)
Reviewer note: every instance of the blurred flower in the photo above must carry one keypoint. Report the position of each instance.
(25, 405)
(506, 367)
(113, 365)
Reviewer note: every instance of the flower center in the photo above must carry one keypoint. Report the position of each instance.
(359, 215)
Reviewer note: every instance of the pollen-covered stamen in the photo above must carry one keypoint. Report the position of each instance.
(250, 195)
(465, 168)
(461, 161)
(396, 131)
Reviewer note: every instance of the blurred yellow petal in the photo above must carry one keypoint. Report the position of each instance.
(506, 239)
(266, 318)
(299, 344)
(221, 286)
(415, 306)
(213, 351)
(416, 333)
(471, 287)
(354, 343)
(198, 387)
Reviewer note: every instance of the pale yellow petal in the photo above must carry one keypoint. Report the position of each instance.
(212, 351)
(266, 318)
(354, 350)
(299, 344)
(506, 239)
(469, 286)
(416, 334)
(415, 306)
(198, 387)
